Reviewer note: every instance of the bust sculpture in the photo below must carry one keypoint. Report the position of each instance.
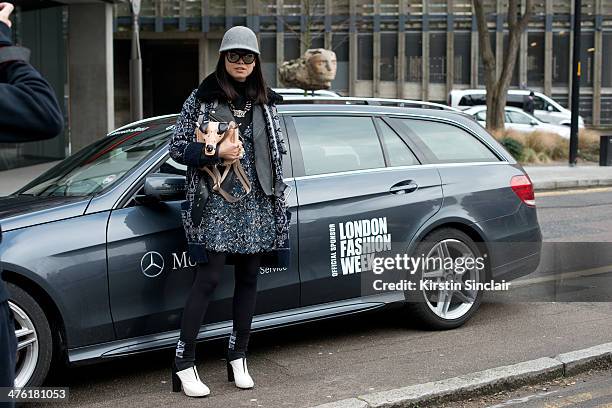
(312, 71)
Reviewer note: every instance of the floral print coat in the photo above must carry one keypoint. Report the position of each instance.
(185, 150)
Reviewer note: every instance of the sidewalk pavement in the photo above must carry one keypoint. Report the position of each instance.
(560, 177)
(543, 177)
(12, 180)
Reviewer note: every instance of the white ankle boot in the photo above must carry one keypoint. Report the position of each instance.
(190, 380)
(239, 373)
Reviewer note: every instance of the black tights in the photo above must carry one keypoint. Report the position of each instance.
(245, 293)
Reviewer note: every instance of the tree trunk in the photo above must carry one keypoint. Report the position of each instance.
(497, 88)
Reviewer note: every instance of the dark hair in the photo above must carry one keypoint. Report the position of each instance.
(256, 84)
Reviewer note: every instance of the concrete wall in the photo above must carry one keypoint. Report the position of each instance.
(90, 62)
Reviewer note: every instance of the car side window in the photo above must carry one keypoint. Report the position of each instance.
(515, 100)
(539, 103)
(448, 143)
(517, 117)
(398, 152)
(338, 143)
(542, 104)
(482, 115)
(473, 100)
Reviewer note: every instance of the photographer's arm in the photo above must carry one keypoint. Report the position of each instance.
(27, 102)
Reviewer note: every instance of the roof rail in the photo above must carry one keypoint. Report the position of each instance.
(353, 100)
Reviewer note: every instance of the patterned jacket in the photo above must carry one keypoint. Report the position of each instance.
(206, 99)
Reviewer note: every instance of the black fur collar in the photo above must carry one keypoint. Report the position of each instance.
(209, 90)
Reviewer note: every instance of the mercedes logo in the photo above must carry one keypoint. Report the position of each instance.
(152, 264)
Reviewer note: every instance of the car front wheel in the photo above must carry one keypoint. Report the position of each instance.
(34, 340)
(444, 300)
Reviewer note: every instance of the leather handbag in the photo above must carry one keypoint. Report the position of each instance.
(214, 135)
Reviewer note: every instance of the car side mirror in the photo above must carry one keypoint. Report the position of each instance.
(533, 123)
(163, 187)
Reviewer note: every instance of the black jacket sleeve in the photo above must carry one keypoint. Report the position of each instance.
(183, 149)
(28, 107)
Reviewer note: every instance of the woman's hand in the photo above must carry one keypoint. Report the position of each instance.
(230, 151)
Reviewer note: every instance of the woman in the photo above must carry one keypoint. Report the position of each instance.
(217, 230)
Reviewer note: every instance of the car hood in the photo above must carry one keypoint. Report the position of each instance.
(18, 211)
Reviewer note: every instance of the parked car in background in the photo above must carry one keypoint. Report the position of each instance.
(547, 110)
(518, 119)
(298, 92)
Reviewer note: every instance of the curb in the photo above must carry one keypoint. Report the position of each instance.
(566, 184)
(482, 382)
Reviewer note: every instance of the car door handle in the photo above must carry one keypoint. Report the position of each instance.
(406, 186)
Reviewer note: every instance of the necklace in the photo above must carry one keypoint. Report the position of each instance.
(240, 113)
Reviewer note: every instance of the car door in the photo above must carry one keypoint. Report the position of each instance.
(353, 203)
(150, 274)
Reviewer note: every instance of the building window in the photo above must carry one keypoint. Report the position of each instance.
(606, 74)
(268, 57)
(437, 58)
(317, 41)
(340, 45)
(365, 57)
(388, 56)
(561, 58)
(463, 43)
(587, 56)
(414, 54)
(535, 59)
(292, 47)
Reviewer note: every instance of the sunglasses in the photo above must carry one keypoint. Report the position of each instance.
(223, 127)
(234, 56)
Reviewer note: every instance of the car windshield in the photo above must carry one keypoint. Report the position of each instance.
(99, 165)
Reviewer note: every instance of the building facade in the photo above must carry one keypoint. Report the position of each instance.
(416, 49)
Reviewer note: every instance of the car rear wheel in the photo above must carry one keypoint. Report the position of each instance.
(446, 308)
(34, 340)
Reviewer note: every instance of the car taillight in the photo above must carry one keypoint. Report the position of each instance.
(523, 188)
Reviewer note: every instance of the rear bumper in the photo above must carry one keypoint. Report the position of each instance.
(517, 268)
(514, 244)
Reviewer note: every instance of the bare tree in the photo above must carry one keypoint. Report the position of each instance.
(497, 88)
(309, 9)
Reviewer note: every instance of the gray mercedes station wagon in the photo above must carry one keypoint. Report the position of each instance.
(94, 251)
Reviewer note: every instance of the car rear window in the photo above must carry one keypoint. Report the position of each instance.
(446, 142)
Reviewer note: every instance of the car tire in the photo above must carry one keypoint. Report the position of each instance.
(417, 304)
(34, 360)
